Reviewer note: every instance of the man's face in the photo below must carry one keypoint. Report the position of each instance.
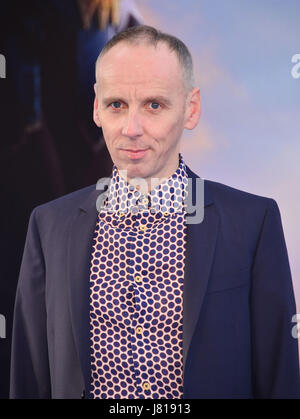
(141, 104)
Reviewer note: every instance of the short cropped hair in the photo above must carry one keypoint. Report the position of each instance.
(152, 36)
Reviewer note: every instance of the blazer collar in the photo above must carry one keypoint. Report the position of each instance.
(201, 241)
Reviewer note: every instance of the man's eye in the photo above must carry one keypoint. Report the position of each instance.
(154, 105)
(116, 105)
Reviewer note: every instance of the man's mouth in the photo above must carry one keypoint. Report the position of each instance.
(135, 154)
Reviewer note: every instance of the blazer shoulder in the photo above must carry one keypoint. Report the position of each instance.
(228, 196)
(66, 203)
(247, 210)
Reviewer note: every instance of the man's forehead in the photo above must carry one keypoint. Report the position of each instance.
(139, 63)
(139, 83)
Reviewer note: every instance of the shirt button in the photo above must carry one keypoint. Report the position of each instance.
(145, 201)
(142, 227)
(166, 214)
(146, 386)
(138, 278)
(139, 330)
(122, 214)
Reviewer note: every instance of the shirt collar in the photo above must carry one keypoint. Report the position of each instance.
(168, 196)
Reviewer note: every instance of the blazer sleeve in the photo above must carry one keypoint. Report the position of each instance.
(30, 377)
(275, 359)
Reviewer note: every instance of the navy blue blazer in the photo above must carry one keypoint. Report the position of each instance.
(238, 300)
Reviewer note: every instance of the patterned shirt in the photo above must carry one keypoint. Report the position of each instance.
(136, 290)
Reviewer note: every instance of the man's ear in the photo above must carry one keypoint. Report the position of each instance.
(193, 109)
(96, 112)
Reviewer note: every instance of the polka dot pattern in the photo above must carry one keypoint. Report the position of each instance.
(136, 291)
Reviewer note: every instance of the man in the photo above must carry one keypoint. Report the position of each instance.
(128, 300)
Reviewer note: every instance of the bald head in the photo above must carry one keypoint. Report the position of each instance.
(147, 35)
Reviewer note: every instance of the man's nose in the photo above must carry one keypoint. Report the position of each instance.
(132, 125)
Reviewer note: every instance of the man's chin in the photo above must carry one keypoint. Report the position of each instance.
(136, 172)
(127, 171)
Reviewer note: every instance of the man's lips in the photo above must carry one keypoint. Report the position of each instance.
(135, 151)
(135, 154)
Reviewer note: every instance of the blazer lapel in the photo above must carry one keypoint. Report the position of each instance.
(200, 245)
(79, 259)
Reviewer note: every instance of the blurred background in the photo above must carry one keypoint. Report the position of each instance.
(248, 135)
